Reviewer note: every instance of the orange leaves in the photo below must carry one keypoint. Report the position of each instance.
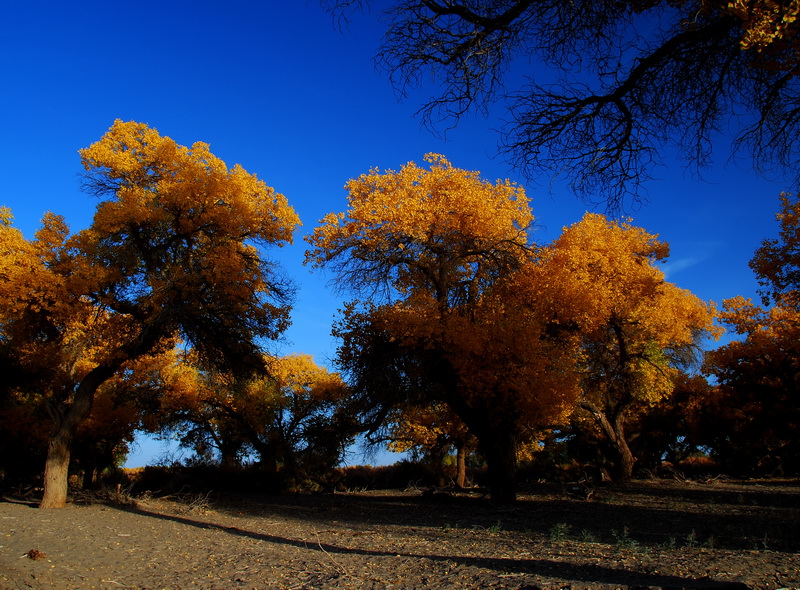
(417, 229)
(766, 24)
(299, 376)
(153, 180)
(522, 331)
(600, 277)
(166, 196)
(180, 231)
(776, 263)
(600, 269)
(597, 268)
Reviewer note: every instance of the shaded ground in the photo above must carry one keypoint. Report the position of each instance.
(644, 534)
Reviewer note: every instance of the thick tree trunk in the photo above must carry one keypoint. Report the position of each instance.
(56, 469)
(228, 454)
(614, 431)
(497, 441)
(499, 446)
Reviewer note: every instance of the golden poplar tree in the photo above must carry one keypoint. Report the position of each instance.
(635, 328)
(288, 416)
(435, 251)
(759, 374)
(173, 251)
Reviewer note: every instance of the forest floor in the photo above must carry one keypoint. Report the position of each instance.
(644, 534)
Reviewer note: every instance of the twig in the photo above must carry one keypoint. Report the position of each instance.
(336, 564)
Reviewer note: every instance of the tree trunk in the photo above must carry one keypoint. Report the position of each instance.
(56, 469)
(228, 454)
(497, 441)
(499, 446)
(435, 460)
(461, 467)
(89, 476)
(625, 458)
(614, 430)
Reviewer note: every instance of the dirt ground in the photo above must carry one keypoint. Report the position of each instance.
(651, 534)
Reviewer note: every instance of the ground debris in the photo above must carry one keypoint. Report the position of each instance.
(653, 535)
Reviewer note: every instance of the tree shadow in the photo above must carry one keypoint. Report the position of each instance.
(647, 518)
(782, 494)
(587, 573)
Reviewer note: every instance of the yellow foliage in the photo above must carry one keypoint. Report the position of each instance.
(417, 229)
(175, 200)
(299, 375)
(601, 278)
(766, 23)
(155, 180)
(776, 262)
(432, 427)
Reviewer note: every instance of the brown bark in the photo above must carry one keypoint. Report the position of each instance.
(614, 431)
(461, 467)
(56, 470)
(70, 417)
(499, 446)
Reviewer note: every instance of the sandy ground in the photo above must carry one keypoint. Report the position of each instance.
(644, 535)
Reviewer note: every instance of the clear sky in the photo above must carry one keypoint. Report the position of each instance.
(278, 88)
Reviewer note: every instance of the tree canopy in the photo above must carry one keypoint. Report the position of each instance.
(620, 80)
(464, 310)
(758, 375)
(172, 255)
(636, 328)
(428, 247)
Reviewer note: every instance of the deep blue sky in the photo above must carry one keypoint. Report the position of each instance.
(278, 88)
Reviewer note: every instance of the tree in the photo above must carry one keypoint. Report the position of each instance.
(135, 398)
(777, 262)
(636, 329)
(437, 252)
(759, 376)
(616, 82)
(172, 252)
(758, 380)
(433, 431)
(678, 426)
(290, 417)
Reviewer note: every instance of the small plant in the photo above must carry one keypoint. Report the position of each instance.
(671, 543)
(710, 542)
(559, 531)
(496, 527)
(624, 539)
(691, 539)
(587, 536)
